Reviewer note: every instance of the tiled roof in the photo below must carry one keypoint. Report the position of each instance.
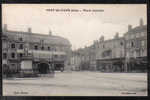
(35, 37)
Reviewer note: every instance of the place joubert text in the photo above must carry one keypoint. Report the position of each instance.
(74, 10)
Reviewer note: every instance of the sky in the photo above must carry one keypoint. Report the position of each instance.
(81, 24)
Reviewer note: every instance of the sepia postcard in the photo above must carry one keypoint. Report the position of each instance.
(74, 49)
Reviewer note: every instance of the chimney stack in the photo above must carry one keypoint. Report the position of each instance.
(101, 38)
(141, 22)
(5, 27)
(50, 32)
(129, 27)
(29, 30)
(117, 35)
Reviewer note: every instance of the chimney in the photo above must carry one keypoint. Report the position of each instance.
(129, 27)
(29, 30)
(101, 39)
(141, 22)
(5, 27)
(117, 35)
(50, 32)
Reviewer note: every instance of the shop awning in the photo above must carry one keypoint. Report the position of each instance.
(45, 54)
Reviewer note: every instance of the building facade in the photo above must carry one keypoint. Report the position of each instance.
(121, 53)
(32, 52)
(84, 59)
(136, 47)
(109, 53)
(76, 61)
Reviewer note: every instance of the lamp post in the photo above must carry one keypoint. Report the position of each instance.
(53, 69)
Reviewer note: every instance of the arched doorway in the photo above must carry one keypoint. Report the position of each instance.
(43, 68)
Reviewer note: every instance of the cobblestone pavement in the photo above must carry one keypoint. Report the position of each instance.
(79, 84)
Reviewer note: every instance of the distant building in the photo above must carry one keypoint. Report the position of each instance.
(76, 60)
(84, 59)
(127, 53)
(27, 51)
(119, 54)
(110, 52)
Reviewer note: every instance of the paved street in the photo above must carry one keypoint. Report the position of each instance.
(79, 84)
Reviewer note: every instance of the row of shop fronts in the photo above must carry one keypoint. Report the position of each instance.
(122, 65)
(31, 67)
(127, 53)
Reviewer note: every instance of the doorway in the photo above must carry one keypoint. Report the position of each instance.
(43, 68)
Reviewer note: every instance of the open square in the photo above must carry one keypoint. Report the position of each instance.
(79, 84)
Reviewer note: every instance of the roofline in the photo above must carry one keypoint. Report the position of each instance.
(30, 33)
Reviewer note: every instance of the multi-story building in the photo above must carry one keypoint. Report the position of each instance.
(136, 47)
(126, 53)
(84, 59)
(27, 51)
(109, 53)
(76, 61)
